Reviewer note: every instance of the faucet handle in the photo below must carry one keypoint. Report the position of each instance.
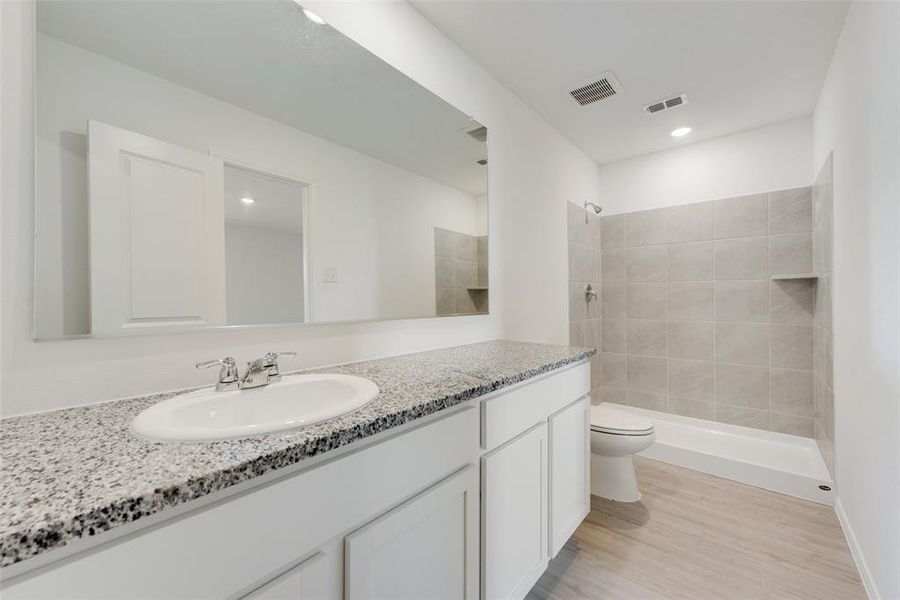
(271, 359)
(227, 374)
(274, 356)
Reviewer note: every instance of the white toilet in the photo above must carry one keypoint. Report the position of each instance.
(616, 435)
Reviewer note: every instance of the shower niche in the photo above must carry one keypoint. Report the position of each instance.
(460, 272)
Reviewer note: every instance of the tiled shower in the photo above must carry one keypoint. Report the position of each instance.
(707, 310)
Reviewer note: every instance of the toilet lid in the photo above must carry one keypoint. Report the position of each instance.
(607, 419)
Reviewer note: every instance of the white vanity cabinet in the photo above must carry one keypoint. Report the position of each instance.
(470, 502)
(534, 477)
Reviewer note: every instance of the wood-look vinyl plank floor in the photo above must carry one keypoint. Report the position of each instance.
(697, 536)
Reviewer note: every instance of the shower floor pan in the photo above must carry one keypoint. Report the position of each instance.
(783, 463)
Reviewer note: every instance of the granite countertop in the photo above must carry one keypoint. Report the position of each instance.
(78, 472)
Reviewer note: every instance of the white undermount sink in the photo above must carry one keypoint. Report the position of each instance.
(295, 401)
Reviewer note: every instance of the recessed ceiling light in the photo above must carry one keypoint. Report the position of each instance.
(248, 200)
(681, 131)
(313, 16)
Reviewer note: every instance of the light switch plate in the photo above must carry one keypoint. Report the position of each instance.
(329, 275)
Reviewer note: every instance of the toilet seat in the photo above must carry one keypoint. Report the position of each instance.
(606, 419)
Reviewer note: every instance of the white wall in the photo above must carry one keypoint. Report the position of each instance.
(375, 226)
(533, 171)
(263, 275)
(773, 157)
(858, 117)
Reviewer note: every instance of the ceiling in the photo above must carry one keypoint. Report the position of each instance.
(743, 64)
(278, 203)
(267, 57)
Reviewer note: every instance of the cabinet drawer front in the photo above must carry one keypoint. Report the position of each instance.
(514, 515)
(424, 548)
(510, 413)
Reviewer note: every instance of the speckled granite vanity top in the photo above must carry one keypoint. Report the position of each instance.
(77, 472)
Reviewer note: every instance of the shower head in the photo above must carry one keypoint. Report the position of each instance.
(593, 206)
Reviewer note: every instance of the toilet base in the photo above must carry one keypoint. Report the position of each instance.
(613, 478)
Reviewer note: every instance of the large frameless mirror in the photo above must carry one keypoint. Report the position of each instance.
(222, 163)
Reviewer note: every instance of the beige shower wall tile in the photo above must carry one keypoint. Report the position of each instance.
(612, 231)
(614, 395)
(443, 242)
(646, 301)
(792, 346)
(792, 301)
(790, 211)
(792, 425)
(696, 409)
(742, 343)
(690, 340)
(614, 370)
(744, 216)
(645, 228)
(443, 271)
(647, 338)
(463, 246)
(689, 222)
(645, 264)
(464, 274)
(743, 386)
(790, 253)
(746, 417)
(577, 303)
(614, 335)
(612, 301)
(612, 266)
(692, 380)
(646, 400)
(746, 258)
(445, 301)
(690, 301)
(792, 392)
(746, 301)
(690, 262)
(647, 374)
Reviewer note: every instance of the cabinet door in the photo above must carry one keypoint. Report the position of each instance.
(569, 458)
(315, 578)
(426, 548)
(514, 515)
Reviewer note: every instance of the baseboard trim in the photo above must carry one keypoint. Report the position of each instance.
(861, 566)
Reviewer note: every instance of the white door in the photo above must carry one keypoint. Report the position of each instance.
(514, 515)
(425, 549)
(569, 458)
(157, 234)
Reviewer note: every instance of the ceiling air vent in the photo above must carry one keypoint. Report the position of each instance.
(479, 133)
(603, 87)
(679, 100)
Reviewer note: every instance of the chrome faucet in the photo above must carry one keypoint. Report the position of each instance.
(263, 371)
(260, 372)
(228, 374)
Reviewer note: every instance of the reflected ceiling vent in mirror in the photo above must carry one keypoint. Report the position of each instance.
(602, 87)
(479, 133)
(673, 102)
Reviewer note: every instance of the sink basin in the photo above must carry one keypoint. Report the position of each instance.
(295, 401)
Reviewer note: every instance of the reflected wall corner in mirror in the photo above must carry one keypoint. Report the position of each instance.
(184, 182)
